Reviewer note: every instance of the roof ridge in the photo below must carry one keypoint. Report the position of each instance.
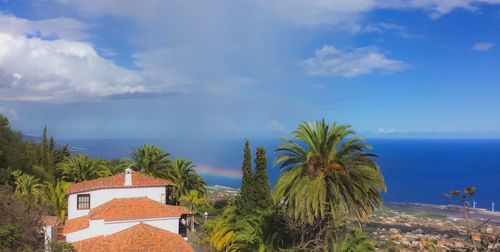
(139, 179)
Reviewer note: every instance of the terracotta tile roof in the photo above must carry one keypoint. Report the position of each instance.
(49, 220)
(135, 208)
(141, 237)
(76, 224)
(117, 181)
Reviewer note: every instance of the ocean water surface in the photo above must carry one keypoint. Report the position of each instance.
(415, 170)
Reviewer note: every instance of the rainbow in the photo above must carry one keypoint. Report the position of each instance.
(218, 172)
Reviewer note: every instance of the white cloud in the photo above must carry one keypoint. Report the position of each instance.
(331, 61)
(189, 48)
(275, 126)
(385, 131)
(42, 61)
(34, 69)
(482, 46)
(383, 27)
(57, 28)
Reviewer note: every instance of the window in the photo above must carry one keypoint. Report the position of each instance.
(163, 198)
(83, 201)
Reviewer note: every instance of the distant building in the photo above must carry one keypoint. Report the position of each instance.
(106, 210)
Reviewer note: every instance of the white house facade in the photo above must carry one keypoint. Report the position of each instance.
(100, 227)
(101, 196)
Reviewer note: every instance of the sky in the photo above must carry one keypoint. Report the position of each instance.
(233, 69)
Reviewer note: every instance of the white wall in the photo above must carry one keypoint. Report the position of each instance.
(100, 196)
(48, 236)
(100, 227)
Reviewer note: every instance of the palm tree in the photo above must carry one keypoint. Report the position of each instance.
(81, 168)
(262, 231)
(224, 229)
(55, 196)
(119, 165)
(327, 173)
(353, 241)
(185, 178)
(26, 185)
(151, 160)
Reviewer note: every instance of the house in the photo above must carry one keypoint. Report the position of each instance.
(109, 210)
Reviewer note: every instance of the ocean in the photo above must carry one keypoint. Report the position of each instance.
(415, 170)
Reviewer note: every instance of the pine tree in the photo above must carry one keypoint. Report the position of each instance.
(52, 144)
(65, 151)
(245, 202)
(263, 191)
(45, 147)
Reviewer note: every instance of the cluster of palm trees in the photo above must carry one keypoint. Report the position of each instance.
(148, 159)
(329, 185)
(54, 195)
(152, 160)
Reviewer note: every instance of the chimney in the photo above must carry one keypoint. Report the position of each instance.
(128, 177)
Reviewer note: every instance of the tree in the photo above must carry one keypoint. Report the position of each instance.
(185, 178)
(26, 185)
(12, 151)
(44, 174)
(119, 165)
(484, 241)
(45, 147)
(81, 168)
(261, 231)
(151, 160)
(326, 174)
(262, 189)
(20, 224)
(353, 241)
(224, 229)
(60, 154)
(52, 144)
(194, 200)
(246, 199)
(55, 196)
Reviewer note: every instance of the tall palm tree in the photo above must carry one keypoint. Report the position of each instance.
(55, 196)
(327, 173)
(185, 178)
(27, 185)
(151, 160)
(81, 168)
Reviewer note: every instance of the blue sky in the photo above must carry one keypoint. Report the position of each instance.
(233, 69)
